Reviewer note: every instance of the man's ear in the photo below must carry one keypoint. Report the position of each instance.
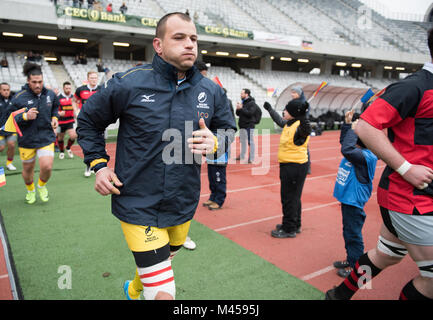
(157, 45)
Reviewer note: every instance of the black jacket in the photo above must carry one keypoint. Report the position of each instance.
(161, 187)
(246, 114)
(5, 108)
(37, 133)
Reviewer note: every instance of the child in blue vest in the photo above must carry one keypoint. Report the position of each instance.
(353, 188)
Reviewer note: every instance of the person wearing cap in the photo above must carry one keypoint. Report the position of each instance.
(293, 159)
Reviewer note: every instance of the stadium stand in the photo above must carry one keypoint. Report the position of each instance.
(78, 72)
(14, 73)
(301, 18)
(234, 83)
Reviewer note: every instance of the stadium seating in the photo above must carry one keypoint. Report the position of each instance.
(280, 80)
(14, 73)
(78, 72)
(234, 83)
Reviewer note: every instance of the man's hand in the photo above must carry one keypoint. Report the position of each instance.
(62, 113)
(203, 140)
(349, 116)
(238, 106)
(419, 176)
(32, 114)
(106, 182)
(54, 123)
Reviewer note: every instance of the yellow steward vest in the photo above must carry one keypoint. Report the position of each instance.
(288, 151)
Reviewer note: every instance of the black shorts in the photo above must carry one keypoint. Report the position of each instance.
(66, 126)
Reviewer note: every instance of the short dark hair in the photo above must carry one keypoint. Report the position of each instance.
(430, 41)
(160, 27)
(201, 65)
(5, 84)
(31, 69)
(66, 83)
(247, 91)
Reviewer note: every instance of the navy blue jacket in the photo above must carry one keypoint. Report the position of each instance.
(161, 182)
(5, 108)
(37, 133)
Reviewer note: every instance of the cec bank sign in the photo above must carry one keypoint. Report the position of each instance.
(66, 12)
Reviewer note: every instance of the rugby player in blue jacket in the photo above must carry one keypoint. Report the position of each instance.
(37, 114)
(169, 113)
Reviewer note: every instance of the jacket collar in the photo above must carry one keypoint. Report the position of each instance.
(169, 72)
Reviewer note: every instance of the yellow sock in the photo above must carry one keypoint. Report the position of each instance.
(41, 183)
(135, 287)
(30, 187)
(8, 162)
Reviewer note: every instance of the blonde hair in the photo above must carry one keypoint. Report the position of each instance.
(91, 72)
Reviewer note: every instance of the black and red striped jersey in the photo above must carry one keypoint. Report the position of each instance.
(85, 92)
(406, 110)
(66, 105)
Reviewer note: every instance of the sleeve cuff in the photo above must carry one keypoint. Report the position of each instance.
(96, 162)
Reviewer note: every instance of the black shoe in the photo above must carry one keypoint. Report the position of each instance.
(239, 158)
(279, 226)
(341, 264)
(330, 295)
(344, 273)
(280, 233)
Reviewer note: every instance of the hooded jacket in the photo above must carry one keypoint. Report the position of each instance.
(37, 133)
(161, 180)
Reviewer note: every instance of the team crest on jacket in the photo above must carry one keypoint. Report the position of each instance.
(202, 97)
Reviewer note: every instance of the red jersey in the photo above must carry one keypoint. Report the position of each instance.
(66, 105)
(406, 110)
(83, 93)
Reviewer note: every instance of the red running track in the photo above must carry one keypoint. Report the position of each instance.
(252, 209)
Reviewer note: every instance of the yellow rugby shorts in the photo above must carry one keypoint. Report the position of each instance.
(29, 154)
(144, 238)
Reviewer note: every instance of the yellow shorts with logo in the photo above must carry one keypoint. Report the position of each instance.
(29, 154)
(143, 238)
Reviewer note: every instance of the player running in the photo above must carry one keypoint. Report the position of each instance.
(82, 94)
(66, 121)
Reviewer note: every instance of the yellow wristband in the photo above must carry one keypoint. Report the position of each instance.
(95, 162)
(25, 116)
(54, 118)
(215, 148)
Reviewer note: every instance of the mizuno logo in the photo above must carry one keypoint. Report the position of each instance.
(147, 98)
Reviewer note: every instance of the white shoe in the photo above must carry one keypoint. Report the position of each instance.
(88, 172)
(70, 154)
(189, 244)
(61, 155)
(11, 167)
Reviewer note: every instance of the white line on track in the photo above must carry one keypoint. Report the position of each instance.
(317, 273)
(273, 217)
(4, 276)
(272, 166)
(269, 185)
